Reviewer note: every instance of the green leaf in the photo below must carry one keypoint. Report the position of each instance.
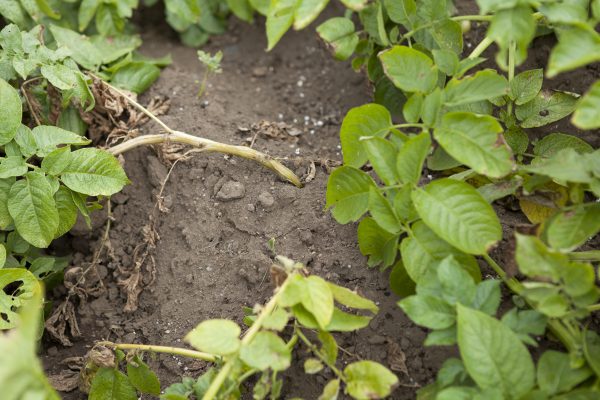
(279, 19)
(136, 77)
(446, 60)
(307, 11)
(411, 157)
(47, 138)
(32, 207)
(312, 366)
(565, 165)
(591, 350)
(345, 322)
(535, 259)
(242, 9)
(578, 278)
(409, 69)
(516, 25)
(484, 85)
(457, 213)
(277, 321)
(351, 299)
(61, 76)
(331, 390)
(570, 229)
(374, 241)
(110, 383)
(348, 192)
(87, 10)
(12, 166)
(565, 56)
(423, 250)
(402, 11)
(447, 34)
(457, 285)
(382, 212)
(142, 377)
(355, 5)
(364, 121)
(94, 172)
(493, 355)
(586, 114)
(476, 141)
(67, 211)
(551, 144)
(17, 287)
(429, 311)
(555, 374)
(266, 351)
(487, 296)
(382, 155)
(2, 255)
(400, 282)
(525, 323)
(215, 336)
(526, 85)
(57, 160)
(318, 300)
(5, 218)
(545, 108)
(10, 118)
(369, 380)
(374, 24)
(340, 36)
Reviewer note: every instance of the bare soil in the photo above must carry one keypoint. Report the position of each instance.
(212, 257)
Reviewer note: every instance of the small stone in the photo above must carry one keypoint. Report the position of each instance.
(377, 339)
(189, 279)
(266, 200)
(157, 172)
(52, 351)
(306, 236)
(119, 198)
(231, 190)
(250, 207)
(259, 72)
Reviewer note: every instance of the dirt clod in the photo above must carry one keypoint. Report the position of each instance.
(231, 190)
(266, 200)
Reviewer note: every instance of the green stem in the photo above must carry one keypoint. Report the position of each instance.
(513, 284)
(162, 349)
(592, 255)
(415, 125)
(225, 371)
(481, 47)
(316, 351)
(512, 47)
(203, 84)
(593, 308)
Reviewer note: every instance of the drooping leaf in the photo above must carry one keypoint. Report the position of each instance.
(142, 377)
(367, 120)
(572, 228)
(318, 300)
(400, 282)
(477, 141)
(110, 383)
(339, 34)
(266, 351)
(348, 193)
(457, 213)
(31, 205)
(351, 299)
(215, 336)
(412, 155)
(307, 11)
(279, 19)
(67, 211)
(374, 241)
(535, 259)
(493, 355)
(409, 69)
(525, 323)
(136, 77)
(369, 380)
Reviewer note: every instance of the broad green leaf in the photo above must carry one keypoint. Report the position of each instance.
(525, 323)
(565, 165)
(412, 155)
(516, 25)
(476, 141)
(440, 160)
(487, 296)
(345, 322)
(70, 120)
(555, 374)
(12, 166)
(586, 114)
(2, 255)
(447, 34)
(57, 160)
(484, 85)
(21, 373)
(215, 336)
(110, 383)
(409, 69)
(565, 13)
(293, 292)
(457, 213)
(47, 138)
(318, 300)
(400, 282)
(331, 390)
(526, 85)
(412, 108)
(136, 77)
(403, 204)
(10, 117)
(32, 207)
(373, 23)
(591, 350)
(279, 19)
(402, 11)
(545, 108)
(355, 5)
(26, 141)
(382, 155)
(340, 36)
(67, 211)
(493, 355)
(457, 285)
(242, 9)
(61, 76)
(369, 380)
(423, 250)
(578, 279)
(277, 321)
(348, 192)
(382, 212)
(429, 311)
(307, 11)
(94, 172)
(374, 241)
(570, 229)
(142, 377)
(87, 10)
(432, 105)
(312, 366)
(535, 260)
(351, 299)
(17, 287)
(266, 351)
(367, 120)
(5, 218)
(446, 60)
(551, 144)
(565, 56)
(494, 191)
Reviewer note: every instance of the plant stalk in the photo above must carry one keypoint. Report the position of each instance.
(216, 384)
(199, 142)
(481, 47)
(162, 349)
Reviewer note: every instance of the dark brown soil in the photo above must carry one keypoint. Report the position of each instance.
(212, 257)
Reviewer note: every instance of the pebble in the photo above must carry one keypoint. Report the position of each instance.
(189, 278)
(266, 199)
(250, 207)
(259, 72)
(231, 190)
(377, 339)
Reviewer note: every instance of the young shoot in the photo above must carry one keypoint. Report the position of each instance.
(212, 66)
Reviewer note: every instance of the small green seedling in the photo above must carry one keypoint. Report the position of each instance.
(212, 66)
